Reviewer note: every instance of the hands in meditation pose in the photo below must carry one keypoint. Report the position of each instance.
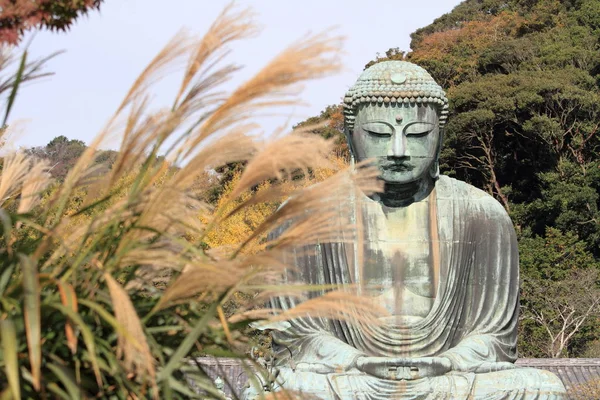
(438, 254)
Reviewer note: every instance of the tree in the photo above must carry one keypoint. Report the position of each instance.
(62, 153)
(563, 307)
(330, 125)
(560, 293)
(18, 16)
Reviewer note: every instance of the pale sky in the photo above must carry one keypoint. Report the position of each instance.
(106, 51)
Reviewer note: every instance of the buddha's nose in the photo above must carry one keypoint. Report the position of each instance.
(397, 146)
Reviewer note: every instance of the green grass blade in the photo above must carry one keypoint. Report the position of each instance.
(110, 319)
(10, 345)
(61, 394)
(184, 390)
(88, 337)
(187, 343)
(67, 379)
(7, 225)
(199, 380)
(5, 278)
(15, 88)
(33, 328)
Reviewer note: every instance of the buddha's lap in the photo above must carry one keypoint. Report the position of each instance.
(518, 383)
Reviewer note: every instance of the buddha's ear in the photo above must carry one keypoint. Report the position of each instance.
(442, 133)
(348, 134)
(434, 170)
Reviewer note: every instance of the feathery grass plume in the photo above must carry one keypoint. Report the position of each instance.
(133, 139)
(156, 255)
(72, 240)
(231, 25)
(340, 305)
(311, 58)
(136, 353)
(37, 180)
(234, 145)
(14, 172)
(305, 208)
(78, 175)
(365, 177)
(281, 157)
(248, 273)
(169, 210)
(173, 52)
(228, 27)
(199, 278)
(26, 71)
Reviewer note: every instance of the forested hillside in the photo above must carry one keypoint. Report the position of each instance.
(523, 79)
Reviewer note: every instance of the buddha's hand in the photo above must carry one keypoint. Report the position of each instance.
(404, 368)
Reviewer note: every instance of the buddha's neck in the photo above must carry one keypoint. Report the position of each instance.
(402, 195)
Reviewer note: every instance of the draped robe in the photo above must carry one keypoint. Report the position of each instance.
(472, 322)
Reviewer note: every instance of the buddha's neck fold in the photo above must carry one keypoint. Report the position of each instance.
(403, 195)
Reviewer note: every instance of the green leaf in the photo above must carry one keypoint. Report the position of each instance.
(5, 278)
(32, 317)
(10, 345)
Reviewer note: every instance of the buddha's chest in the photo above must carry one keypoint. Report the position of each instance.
(397, 267)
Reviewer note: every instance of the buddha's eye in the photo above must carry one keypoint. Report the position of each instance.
(418, 129)
(378, 129)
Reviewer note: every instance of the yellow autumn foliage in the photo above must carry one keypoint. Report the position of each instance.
(235, 229)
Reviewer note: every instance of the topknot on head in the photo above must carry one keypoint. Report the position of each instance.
(394, 83)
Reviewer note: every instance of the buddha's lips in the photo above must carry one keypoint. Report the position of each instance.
(396, 166)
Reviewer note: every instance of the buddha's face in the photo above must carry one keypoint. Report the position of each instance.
(402, 139)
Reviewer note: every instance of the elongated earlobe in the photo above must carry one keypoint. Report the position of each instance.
(434, 170)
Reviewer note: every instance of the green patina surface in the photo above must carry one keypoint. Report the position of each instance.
(439, 255)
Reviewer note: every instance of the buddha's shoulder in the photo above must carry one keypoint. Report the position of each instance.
(470, 195)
